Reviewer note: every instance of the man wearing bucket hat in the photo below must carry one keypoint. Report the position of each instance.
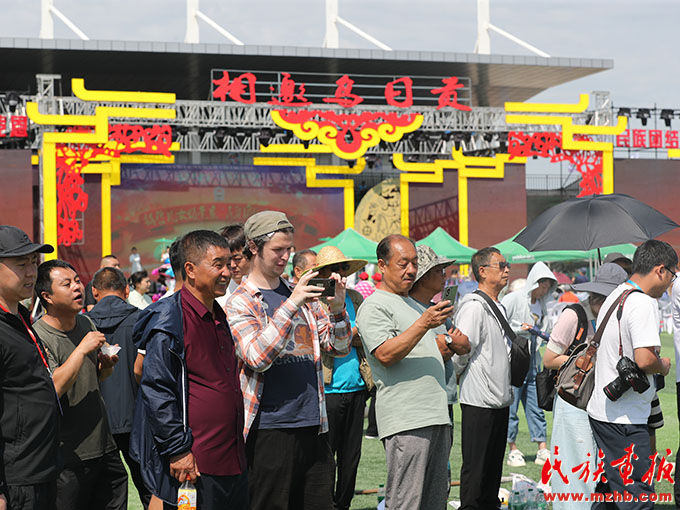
(29, 416)
(411, 406)
(280, 332)
(571, 432)
(347, 381)
(430, 281)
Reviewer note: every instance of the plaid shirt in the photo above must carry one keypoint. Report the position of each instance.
(260, 340)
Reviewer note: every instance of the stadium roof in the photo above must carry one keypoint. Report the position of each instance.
(186, 68)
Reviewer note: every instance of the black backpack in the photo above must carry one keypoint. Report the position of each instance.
(546, 378)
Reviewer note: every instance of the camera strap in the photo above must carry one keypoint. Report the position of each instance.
(619, 314)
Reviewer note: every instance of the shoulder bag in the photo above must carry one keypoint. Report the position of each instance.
(546, 378)
(520, 357)
(576, 378)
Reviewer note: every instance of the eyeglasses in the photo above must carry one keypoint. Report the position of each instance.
(673, 275)
(501, 265)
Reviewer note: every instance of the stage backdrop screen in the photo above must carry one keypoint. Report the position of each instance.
(156, 203)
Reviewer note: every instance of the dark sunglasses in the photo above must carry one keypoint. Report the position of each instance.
(501, 265)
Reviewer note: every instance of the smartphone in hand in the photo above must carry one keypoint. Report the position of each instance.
(449, 293)
(328, 285)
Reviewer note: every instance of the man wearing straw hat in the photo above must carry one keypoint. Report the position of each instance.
(347, 381)
(280, 332)
(411, 406)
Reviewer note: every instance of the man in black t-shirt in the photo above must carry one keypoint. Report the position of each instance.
(29, 415)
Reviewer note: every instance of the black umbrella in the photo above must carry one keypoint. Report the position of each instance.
(592, 222)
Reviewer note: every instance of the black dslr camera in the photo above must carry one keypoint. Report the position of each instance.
(630, 376)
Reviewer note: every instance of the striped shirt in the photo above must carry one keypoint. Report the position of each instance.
(260, 340)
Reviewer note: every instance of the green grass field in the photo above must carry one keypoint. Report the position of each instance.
(372, 470)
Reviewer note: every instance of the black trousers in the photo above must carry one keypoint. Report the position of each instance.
(676, 487)
(97, 484)
(613, 439)
(40, 496)
(483, 434)
(372, 428)
(345, 432)
(219, 493)
(123, 443)
(289, 469)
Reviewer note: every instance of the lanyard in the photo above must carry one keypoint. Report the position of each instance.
(631, 282)
(35, 340)
(42, 356)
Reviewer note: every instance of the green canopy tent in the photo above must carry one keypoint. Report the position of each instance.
(517, 254)
(353, 245)
(627, 249)
(447, 246)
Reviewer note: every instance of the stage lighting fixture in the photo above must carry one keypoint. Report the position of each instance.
(371, 159)
(351, 163)
(624, 112)
(265, 137)
(666, 115)
(13, 101)
(643, 114)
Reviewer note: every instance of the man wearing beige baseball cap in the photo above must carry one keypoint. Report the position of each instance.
(280, 332)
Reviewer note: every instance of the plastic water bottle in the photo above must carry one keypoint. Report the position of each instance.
(541, 503)
(530, 503)
(515, 501)
(186, 496)
(381, 492)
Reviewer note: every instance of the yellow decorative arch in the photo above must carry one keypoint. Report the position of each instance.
(110, 170)
(469, 167)
(569, 129)
(312, 170)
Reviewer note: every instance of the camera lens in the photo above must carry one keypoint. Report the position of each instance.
(615, 389)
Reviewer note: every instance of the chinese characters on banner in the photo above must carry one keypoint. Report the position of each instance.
(13, 126)
(398, 93)
(624, 465)
(648, 139)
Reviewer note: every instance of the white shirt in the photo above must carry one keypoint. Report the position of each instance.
(141, 301)
(639, 328)
(675, 311)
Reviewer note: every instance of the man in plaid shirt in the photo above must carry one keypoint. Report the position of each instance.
(279, 333)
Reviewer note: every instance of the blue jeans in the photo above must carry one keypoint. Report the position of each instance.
(535, 418)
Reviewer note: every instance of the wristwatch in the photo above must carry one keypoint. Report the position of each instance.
(449, 341)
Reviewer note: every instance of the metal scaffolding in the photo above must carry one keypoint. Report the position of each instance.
(232, 127)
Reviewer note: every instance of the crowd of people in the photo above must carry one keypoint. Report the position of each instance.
(254, 388)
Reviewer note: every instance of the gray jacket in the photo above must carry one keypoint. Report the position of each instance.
(485, 371)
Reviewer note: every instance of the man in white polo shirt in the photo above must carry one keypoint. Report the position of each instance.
(619, 410)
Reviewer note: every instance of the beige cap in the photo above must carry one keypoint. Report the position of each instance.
(265, 222)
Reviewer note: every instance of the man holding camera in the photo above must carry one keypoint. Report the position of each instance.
(627, 360)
